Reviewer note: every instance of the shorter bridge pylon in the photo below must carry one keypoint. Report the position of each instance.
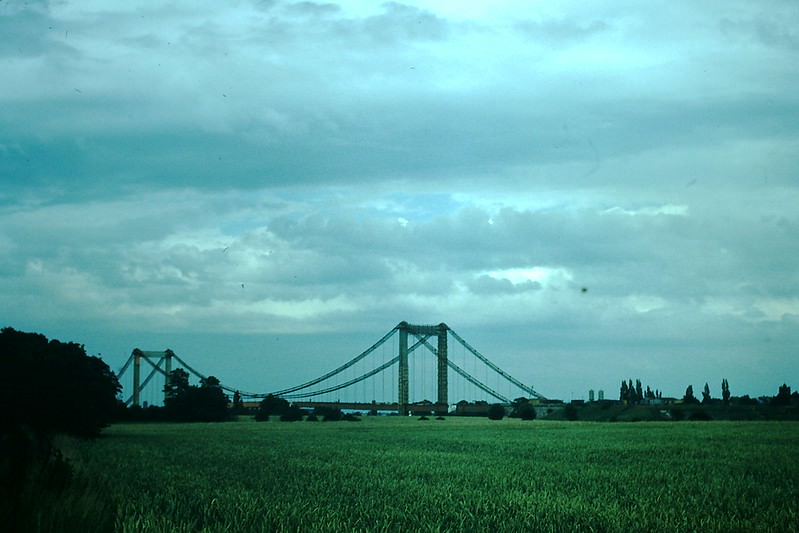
(164, 358)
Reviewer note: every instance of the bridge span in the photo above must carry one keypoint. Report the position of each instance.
(410, 338)
(427, 408)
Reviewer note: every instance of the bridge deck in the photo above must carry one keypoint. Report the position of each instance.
(365, 407)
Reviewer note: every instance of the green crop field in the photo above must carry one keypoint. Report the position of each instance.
(460, 474)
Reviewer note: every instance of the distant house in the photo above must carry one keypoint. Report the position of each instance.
(658, 401)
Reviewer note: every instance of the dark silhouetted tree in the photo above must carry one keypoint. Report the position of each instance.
(212, 402)
(570, 412)
(52, 386)
(706, 399)
(689, 395)
(271, 405)
(725, 391)
(783, 396)
(633, 394)
(496, 412)
(188, 403)
(522, 408)
(328, 414)
(677, 413)
(177, 383)
(527, 411)
(210, 382)
(49, 387)
(238, 404)
(292, 414)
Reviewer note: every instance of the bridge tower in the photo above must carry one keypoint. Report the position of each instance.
(164, 357)
(422, 332)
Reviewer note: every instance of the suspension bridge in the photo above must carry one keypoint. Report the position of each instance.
(396, 385)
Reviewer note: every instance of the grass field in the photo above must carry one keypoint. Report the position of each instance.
(460, 474)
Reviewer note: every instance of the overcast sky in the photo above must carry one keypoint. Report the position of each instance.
(267, 187)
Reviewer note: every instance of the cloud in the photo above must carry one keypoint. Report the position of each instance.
(561, 32)
(280, 168)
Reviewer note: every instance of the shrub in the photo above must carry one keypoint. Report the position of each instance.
(271, 405)
(329, 414)
(496, 412)
(700, 415)
(292, 414)
(677, 414)
(570, 412)
(526, 411)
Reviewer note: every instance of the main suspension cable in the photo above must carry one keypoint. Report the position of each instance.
(495, 368)
(343, 385)
(343, 367)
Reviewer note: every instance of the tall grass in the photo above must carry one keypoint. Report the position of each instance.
(43, 492)
(399, 474)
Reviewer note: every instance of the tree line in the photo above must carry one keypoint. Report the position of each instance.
(634, 394)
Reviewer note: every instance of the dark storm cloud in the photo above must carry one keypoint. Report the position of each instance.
(325, 134)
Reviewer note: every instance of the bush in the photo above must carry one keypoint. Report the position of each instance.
(496, 412)
(198, 404)
(292, 414)
(271, 405)
(526, 411)
(570, 412)
(700, 415)
(329, 414)
(677, 414)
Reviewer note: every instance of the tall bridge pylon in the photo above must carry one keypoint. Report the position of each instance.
(422, 333)
(411, 337)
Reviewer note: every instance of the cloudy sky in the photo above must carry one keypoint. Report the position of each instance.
(267, 187)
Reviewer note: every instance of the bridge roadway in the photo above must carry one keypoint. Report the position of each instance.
(377, 406)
